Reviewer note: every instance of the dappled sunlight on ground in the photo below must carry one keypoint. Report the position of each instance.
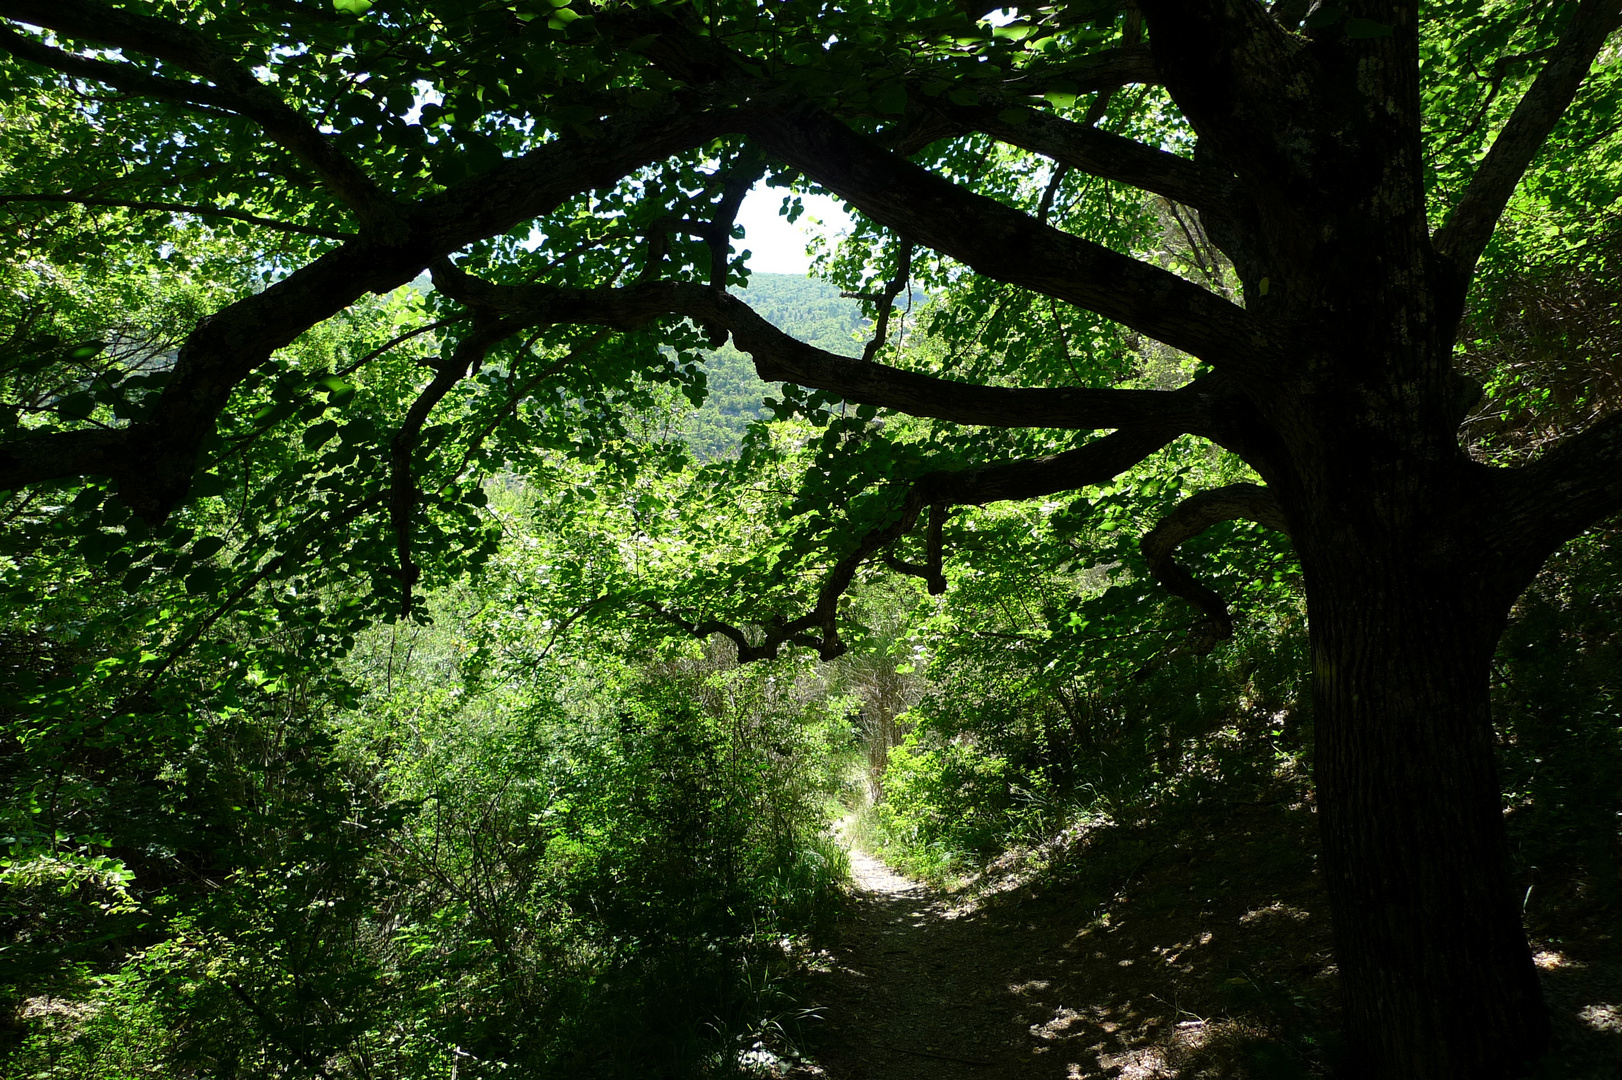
(1195, 950)
(1150, 957)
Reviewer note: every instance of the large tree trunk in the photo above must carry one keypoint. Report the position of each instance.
(1438, 980)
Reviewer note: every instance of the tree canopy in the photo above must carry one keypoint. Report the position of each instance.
(1298, 212)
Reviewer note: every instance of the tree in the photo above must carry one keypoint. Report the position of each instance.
(585, 164)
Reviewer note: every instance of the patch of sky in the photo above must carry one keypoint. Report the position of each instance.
(778, 246)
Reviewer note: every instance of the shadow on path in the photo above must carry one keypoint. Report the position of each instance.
(920, 988)
(1200, 952)
(1158, 972)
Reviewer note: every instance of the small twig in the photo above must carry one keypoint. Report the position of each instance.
(407, 336)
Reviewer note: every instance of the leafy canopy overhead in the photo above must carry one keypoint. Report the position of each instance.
(570, 174)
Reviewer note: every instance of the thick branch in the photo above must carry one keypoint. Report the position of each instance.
(1249, 502)
(154, 461)
(719, 237)
(1093, 463)
(1556, 497)
(49, 456)
(1464, 236)
(1011, 246)
(119, 76)
(929, 117)
(1098, 153)
(1124, 65)
(981, 232)
(780, 358)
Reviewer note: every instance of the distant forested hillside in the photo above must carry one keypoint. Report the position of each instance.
(803, 307)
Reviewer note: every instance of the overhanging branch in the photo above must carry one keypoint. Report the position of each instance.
(154, 461)
(1548, 502)
(778, 357)
(1192, 516)
(1097, 462)
(234, 86)
(1097, 153)
(1009, 245)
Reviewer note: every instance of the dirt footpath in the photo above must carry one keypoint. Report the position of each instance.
(1199, 953)
(1062, 984)
(921, 987)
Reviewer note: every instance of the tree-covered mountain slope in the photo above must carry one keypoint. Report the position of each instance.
(809, 310)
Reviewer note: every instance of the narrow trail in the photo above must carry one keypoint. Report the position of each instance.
(1170, 955)
(1067, 982)
(919, 987)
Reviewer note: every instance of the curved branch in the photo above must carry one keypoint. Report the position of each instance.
(780, 358)
(930, 117)
(1094, 463)
(1556, 497)
(1192, 516)
(119, 76)
(55, 454)
(885, 301)
(1461, 240)
(448, 371)
(1009, 245)
(154, 461)
(1097, 153)
(989, 236)
(1125, 65)
(739, 181)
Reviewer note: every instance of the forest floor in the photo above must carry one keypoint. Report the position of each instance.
(1200, 950)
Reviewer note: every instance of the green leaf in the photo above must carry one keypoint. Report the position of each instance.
(352, 7)
(77, 406)
(891, 97)
(202, 580)
(208, 484)
(1012, 31)
(1062, 94)
(339, 391)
